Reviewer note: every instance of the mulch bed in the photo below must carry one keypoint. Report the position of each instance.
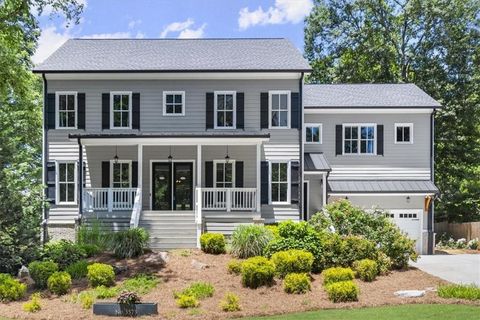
(179, 273)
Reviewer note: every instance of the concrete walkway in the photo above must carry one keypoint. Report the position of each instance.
(459, 268)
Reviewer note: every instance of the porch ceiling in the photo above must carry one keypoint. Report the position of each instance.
(174, 138)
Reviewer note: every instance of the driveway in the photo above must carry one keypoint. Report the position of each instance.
(459, 268)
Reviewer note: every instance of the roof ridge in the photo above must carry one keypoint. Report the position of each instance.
(183, 39)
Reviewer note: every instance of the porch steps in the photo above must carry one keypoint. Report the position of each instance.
(170, 230)
(109, 222)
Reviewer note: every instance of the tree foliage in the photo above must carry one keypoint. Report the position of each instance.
(435, 44)
(21, 127)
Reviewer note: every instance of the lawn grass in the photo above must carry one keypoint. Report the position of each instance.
(404, 312)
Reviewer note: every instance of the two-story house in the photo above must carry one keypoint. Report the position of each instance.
(186, 136)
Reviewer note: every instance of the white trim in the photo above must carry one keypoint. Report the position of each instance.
(289, 108)
(385, 194)
(215, 102)
(357, 110)
(215, 172)
(112, 162)
(187, 141)
(165, 93)
(258, 176)
(359, 125)
(409, 125)
(57, 110)
(112, 94)
(289, 200)
(193, 181)
(320, 131)
(57, 182)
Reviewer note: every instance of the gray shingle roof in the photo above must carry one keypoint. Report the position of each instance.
(366, 95)
(133, 55)
(316, 162)
(382, 186)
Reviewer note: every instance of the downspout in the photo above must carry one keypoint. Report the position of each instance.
(300, 188)
(80, 180)
(430, 219)
(44, 234)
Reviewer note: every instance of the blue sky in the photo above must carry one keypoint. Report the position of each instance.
(178, 19)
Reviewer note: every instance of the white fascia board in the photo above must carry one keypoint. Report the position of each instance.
(368, 110)
(210, 141)
(382, 194)
(173, 76)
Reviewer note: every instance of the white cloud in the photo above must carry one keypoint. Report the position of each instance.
(49, 41)
(133, 23)
(283, 11)
(184, 30)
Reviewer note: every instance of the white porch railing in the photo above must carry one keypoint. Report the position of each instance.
(228, 199)
(109, 199)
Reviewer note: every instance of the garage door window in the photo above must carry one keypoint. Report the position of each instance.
(408, 215)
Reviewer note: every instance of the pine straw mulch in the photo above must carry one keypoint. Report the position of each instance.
(179, 273)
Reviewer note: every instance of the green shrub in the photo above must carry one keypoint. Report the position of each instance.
(63, 252)
(296, 283)
(338, 274)
(384, 263)
(342, 291)
(234, 266)
(354, 248)
(213, 243)
(250, 240)
(459, 291)
(366, 269)
(292, 261)
(40, 271)
(90, 249)
(230, 302)
(374, 226)
(94, 233)
(59, 283)
(141, 283)
(298, 235)
(34, 304)
(130, 243)
(198, 290)
(274, 230)
(103, 292)
(100, 274)
(11, 289)
(78, 270)
(257, 272)
(87, 299)
(185, 301)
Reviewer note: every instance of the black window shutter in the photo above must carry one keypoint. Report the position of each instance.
(209, 110)
(338, 139)
(81, 111)
(51, 191)
(208, 174)
(294, 181)
(380, 139)
(136, 111)
(239, 174)
(105, 174)
(50, 116)
(240, 110)
(105, 110)
(134, 174)
(295, 105)
(264, 182)
(264, 110)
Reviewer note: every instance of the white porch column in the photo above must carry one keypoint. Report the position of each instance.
(259, 182)
(199, 165)
(140, 170)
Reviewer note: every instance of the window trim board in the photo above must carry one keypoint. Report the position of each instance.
(57, 109)
(215, 111)
(289, 108)
(165, 93)
(112, 162)
(359, 125)
(320, 126)
(232, 161)
(289, 182)
(403, 124)
(57, 182)
(130, 109)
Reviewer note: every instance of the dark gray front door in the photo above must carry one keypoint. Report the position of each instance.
(172, 186)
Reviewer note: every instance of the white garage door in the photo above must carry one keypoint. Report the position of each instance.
(409, 221)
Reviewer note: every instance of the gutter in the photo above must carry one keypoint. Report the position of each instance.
(44, 235)
(177, 71)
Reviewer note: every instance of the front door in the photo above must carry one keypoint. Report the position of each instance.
(172, 186)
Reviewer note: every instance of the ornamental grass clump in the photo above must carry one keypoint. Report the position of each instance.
(213, 243)
(257, 272)
(141, 283)
(296, 283)
(366, 269)
(78, 270)
(130, 243)
(200, 290)
(459, 291)
(342, 291)
(250, 240)
(337, 274)
(292, 261)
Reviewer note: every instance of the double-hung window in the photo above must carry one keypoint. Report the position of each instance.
(313, 133)
(279, 102)
(403, 133)
(174, 103)
(280, 182)
(121, 110)
(224, 174)
(66, 183)
(225, 109)
(359, 138)
(121, 174)
(66, 103)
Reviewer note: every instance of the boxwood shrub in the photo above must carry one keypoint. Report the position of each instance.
(337, 274)
(234, 266)
(40, 271)
(296, 283)
(100, 274)
(366, 269)
(257, 272)
(213, 243)
(59, 283)
(11, 289)
(63, 253)
(292, 261)
(342, 291)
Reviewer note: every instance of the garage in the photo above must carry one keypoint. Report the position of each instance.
(409, 221)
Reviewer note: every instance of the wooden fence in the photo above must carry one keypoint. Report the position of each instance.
(467, 230)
